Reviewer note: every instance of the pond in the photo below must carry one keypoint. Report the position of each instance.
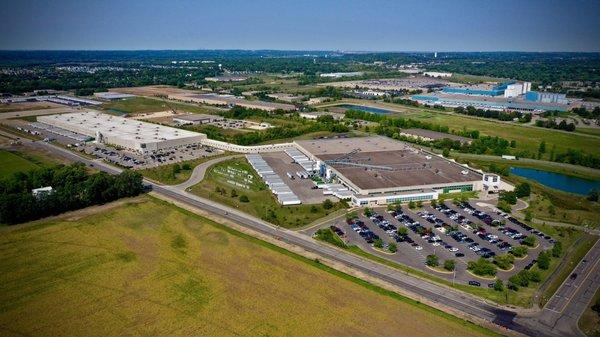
(365, 108)
(558, 181)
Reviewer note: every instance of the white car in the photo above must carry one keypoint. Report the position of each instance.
(435, 244)
(419, 248)
(453, 249)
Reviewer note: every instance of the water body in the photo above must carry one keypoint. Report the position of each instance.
(557, 181)
(365, 108)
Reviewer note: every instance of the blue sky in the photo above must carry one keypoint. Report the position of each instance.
(380, 25)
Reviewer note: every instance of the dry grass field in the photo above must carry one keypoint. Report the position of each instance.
(143, 267)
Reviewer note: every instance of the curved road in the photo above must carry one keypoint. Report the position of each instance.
(532, 324)
(200, 170)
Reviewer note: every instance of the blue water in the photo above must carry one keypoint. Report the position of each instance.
(365, 108)
(557, 180)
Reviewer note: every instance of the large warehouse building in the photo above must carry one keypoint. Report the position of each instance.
(127, 133)
(380, 170)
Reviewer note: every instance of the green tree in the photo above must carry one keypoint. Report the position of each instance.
(392, 247)
(313, 209)
(593, 195)
(449, 265)
(402, 231)
(542, 148)
(244, 198)
(519, 251)
(433, 203)
(176, 169)
(446, 152)
(233, 193)
(432, 260)
(367, 211)
(543, 260)
(523, 190)
(327, 204)
(557, 249)
(378, 243)
(498, 285)
(411, 204)
(529, 241)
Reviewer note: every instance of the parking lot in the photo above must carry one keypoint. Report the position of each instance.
(464, 232)
(121, 157)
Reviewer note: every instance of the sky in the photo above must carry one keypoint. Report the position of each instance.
(363, 25)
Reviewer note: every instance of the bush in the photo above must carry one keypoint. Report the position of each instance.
(378, 243)
(433, 203)
(234, 193)
(482, 267)
(419, 204)
(504, 206)
(411, 204)
(327, 235)
(176, 169)
(392, 247)
(509, 197)
(244, 198)
(505, 261)
(432, 261)
(186, 167)
(402, 231)
(314, 209)
(519, 251)
(351, 216)
(368, 211)
(529, 241)
(449, 265)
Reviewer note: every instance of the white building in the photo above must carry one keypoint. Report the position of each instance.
(437, 74)
(517, 89)
(127, 133)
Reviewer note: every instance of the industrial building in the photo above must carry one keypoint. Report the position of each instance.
(488, 103)
(112, 96)
(230, 101)
(127, 133)
(192, 119)
(379, 170)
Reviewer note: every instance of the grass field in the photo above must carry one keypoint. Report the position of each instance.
(527, 138)
(144, 104)
(262, 203)
(143, 267)
(164, 174)
(589, 322)
(11, 163)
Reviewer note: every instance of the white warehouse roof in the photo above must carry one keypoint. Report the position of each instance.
(128, 133)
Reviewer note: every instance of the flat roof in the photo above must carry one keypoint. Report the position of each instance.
(196, 117)
(401, 165)
(112, 95)
(89, 123)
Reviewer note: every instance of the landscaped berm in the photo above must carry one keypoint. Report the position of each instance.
(144, 267)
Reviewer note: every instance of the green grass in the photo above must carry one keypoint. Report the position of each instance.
(262, 203)
(11, 163)
(589, 131)
(164, 173)
(327, 235)
(115, 270)
(144, 104)
(527, 138)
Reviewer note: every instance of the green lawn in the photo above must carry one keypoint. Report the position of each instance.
(11, 163)
(262, 203)
(164, 174)
(145, 104)
(144, 267)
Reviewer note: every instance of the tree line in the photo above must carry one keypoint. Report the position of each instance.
(72, 188)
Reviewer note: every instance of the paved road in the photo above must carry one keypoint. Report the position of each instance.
(444, 296)
(200, 170)
(561, 314)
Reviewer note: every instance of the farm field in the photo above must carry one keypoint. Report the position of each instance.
(144, 104)
(144, 267)
(218, 185)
